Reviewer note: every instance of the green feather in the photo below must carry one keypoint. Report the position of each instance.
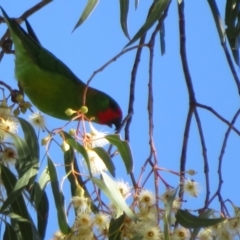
(51, 85)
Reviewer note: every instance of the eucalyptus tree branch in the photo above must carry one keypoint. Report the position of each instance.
(220, 177)
(205, 158)
(219, 116)
(34, 9)
(132, 88)
(190, 89)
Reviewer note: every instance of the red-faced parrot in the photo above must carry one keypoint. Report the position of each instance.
(51, 86)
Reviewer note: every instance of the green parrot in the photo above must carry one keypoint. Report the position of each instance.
(51, 86)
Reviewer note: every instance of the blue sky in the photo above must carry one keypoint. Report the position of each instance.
(100, 38)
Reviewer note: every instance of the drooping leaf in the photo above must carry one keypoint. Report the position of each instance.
(42, 183)
(115, 227)
(91, 4)
(70, 163)
(106, 159)
(124, 150)
(205, 214)
(189, 220)
(72, 142)
(110, 188)
(9, 233)
(18, 206)
(27, 166)
(155, 13)
(232, 21)
(58, 198)
(21, 146)
(39, 197)
(124, 5)
(162, 38)
(30, 137)
(17, 190)
(27, 163)
(167, 213)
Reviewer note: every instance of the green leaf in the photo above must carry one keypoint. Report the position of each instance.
(58, 198)
(42, 183)
(9, 233)
(115, 228)
(167, 213)
(188, 220)
(124, 150)
(106, 159)
(155, 13)
(21, 146)
(232, 21)
(217, 18)
(206, 214)
(14, 216)
(110, 188)
(162, 38)
(70, 164)
(27, 165)
(124, 5)
(32, 171)
(30, 137)
(91, 4)
(18, 206)
(39, 197)
(72, 142)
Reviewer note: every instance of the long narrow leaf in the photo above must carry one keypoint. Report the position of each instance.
(91, 4)
(167, 213)
(156, 12)
(106, 159)
(162, 38)
(9, 233)
(124, 150)
(124, 5)
(70, 163)
(189, 220)
(30, 137)
(58, 198)
(39, 197)
(109, 187)
(18, 206)
(72, 142)
(115, 228)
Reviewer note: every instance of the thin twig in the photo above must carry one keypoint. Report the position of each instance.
(219, 116)
(132, 88)
(220, 178)
(205, 158)
(105, 65)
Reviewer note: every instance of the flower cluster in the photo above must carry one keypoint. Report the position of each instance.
(92, 140)
(8, 128)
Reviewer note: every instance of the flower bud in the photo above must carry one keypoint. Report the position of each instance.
(84, 109)
(65, 146)
(19, 98)
(191, 172)
(16, 112)
(27, 104)
(70, 112)
(72, 132)
(45, 140)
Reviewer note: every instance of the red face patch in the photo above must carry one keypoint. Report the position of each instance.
(109, 115)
